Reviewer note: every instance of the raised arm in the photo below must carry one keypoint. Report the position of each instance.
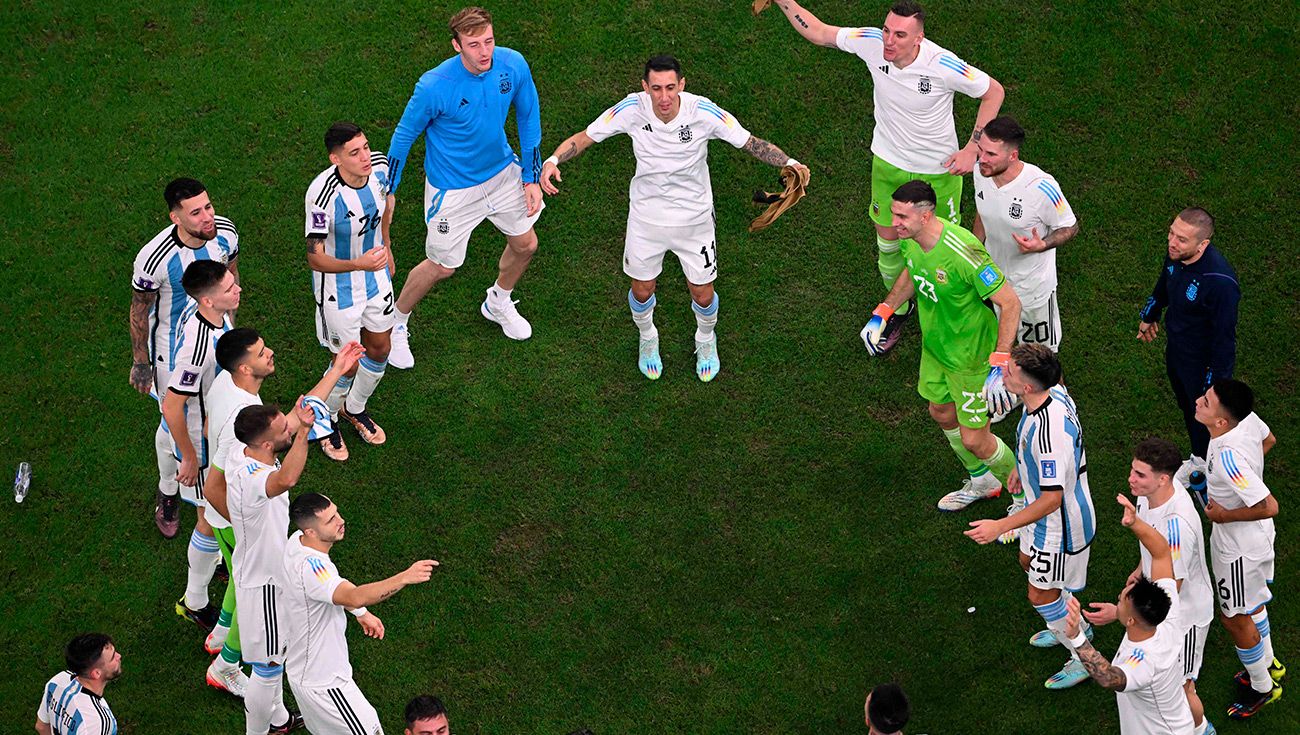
(808, 25)
(353, 596)
(961, 162)
(295, 460)
(1162, 558)
(1102, 671)
(768, 152)
(571, 148)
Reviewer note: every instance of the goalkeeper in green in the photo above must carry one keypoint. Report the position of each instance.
(964, 345)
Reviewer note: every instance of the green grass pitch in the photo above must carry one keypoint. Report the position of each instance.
(634, 557)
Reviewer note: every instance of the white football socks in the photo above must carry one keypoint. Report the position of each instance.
(203, 556)
(369, 373)
(706, 318)
(167, 465)
(643, 315)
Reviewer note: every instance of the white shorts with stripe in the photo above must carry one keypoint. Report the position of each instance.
(646, 245)
(1194, 650)
(1048, 570)
(452, 214)
(339, 710)
(1241, 583)
(336, 327)
(263, 634)
(1041, 324)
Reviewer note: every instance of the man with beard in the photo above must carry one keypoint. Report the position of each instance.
(159, 300)
(73, 700)
(246, 361)
(1198, 291)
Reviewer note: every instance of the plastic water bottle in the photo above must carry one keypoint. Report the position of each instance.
(1196, 483)
(22, 481)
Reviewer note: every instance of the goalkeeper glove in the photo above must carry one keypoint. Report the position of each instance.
(873, 335)
(996, 394)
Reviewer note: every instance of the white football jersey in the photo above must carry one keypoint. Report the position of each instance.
(194, 370)
(318, 645)
(1153, 700)
(70, 709)
(348, 221)
(1235, 472)
(1180, 524)
(1049, 452)
(158, 269)
(260, 523)
(914, 128)
(1032, 201)
(225, 400)
(671, 185)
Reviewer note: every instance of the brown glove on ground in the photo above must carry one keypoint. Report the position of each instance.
(796, 185)
(761, 5)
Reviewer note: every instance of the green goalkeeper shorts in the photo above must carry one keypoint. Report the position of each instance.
(886, 178)
(965, 389)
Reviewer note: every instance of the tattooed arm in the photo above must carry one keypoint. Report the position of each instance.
(808, 25)
(141, 369)
(1102, 671)
(765, 151)
(570, 149)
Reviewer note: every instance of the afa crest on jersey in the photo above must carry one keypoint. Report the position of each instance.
(941, 275)
(923, 86)
(1016, 211)
(684, 134)
(443, 227)
(505, 84)
(1192, 289)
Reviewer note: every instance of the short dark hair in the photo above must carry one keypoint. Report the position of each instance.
(304, 509)
(181, 189)
(916, 192)
(233, 346)
(1202, 220)
(1149, 601)
(889, 710)
(339, 134)
(1005, 129)
(661, 62)
(202, 276)
(1038, 362)
(1161, 454)
(1236, 397)
(908, 9)
(253, 421)
(84, 651)
(423, 707)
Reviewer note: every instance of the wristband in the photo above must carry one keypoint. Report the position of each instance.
(359, 612)
(1078, 640)
(884, 311)
(553, 161)
(999, 359)
(791, 162)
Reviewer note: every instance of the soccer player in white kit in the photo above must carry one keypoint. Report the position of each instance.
(1058, 522)
(1021, 216)
(158, 302)
(246, 361)
(257, 499)
(72, 702)
(913, 83)
(215, 295)
(1241, 507)
(349, 209)
(315, 596)
(1146, 673)
(1167, 507)
(671, 197)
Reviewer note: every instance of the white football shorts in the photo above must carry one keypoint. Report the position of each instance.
(694, 245)
(336, 710)
(452, 214)
(1241, 582)
(263, 634)
(1049, 569)
(336, 327)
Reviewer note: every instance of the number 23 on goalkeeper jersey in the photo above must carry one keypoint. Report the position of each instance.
(953, 281)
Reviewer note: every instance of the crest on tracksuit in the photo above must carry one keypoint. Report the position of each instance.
(1192, 288)
(505, 84)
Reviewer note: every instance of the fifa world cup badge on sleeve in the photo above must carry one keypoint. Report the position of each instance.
(988, 275)
(318, 219)
(189, 378)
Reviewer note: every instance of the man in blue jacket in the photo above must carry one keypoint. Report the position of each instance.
(1198, 293)
(470, 171)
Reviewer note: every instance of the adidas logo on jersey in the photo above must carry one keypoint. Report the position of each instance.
(463, 102)
(884, 68)
(647, 128)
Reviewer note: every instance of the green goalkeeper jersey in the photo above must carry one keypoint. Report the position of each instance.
(953, 282)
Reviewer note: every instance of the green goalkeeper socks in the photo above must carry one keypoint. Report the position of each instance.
(974, 466)
(1002, 464)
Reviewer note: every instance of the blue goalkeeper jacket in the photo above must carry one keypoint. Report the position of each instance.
(462, 117)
